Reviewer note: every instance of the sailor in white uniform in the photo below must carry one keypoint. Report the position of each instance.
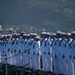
(17, 54)
(67, 53)
(27, 51)
(48, 50)
(13, 50)
(15, 47)
(8, 48)
(20, 50)
(73, 49)
(0, 50)
(3, 49)
(37, 53)
(55, 46)
(53, 38)
(43, 51)
(32, 53)
(24, 50)
(62, 50)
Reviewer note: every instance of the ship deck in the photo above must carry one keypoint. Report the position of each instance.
(8, 69)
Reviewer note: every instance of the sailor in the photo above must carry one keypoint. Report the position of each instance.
(43, 51)
(55, 49)
(73, 49)
(53, 38)
(54, 56)
(24, 57)
(13, 57)
(27, 51)
(32, 41)
(22, 33)
(20, 50)
(8, 48)
(67, 54)
(0, 50)
(61, 49)
(3, 49)
(48, 50)
(37, 53)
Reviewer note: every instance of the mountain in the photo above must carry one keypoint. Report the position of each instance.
(37, 15)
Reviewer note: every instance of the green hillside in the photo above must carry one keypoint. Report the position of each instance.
(50, 15)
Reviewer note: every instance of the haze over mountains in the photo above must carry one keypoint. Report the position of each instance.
(36, 15)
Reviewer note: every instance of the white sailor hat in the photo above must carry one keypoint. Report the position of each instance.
(68, 34)
(18, 35)
(27, 35)
(53, 34)
(62, 33)
(58, 32)
(33, 34)
(47, 33)
(43, 33)
(24, 36)
(37, 37)
(22, 32)
(14, 34)
(2, 36)
(73, 32)
(5, 36)
(9, 35)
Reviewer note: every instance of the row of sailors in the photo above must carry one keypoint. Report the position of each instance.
(54, 52)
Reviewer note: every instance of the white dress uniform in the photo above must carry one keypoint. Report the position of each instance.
(64, 65)
(32, 41)
(37, 53)
(27, 52)
(0, 49)
(3, 51)
(43, 52)
(53, 49)
(48, 54)
(13, 57)
(67, 57)
(73, 53)
(55, 55)
(24, 51)
(57, 59)
(24, 55)
(8, 51)
(19, 52)
(73, 49)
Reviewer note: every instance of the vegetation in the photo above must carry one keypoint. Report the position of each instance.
(51, 15)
